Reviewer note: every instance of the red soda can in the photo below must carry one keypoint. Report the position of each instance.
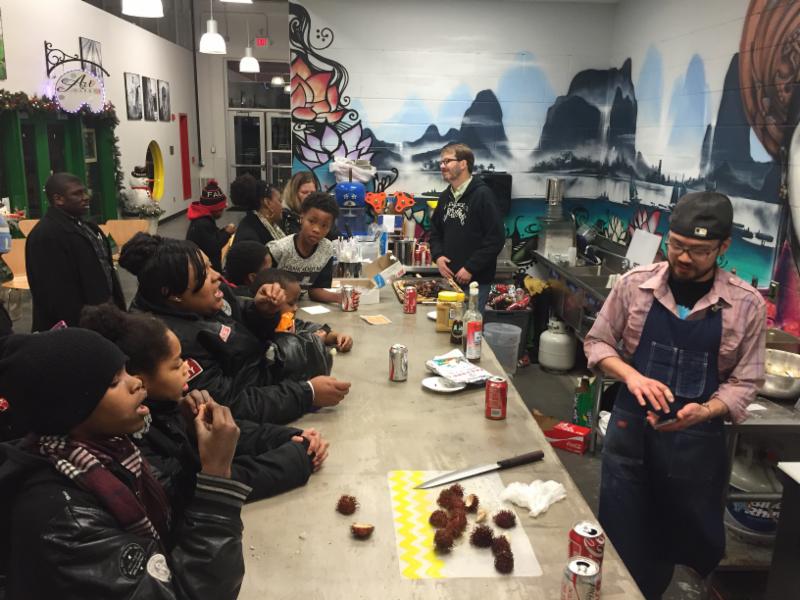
(410, 300)
(580, 579)
(425, 259)
(347, 300)
(496, 398)
(587, 539)
(417, 256)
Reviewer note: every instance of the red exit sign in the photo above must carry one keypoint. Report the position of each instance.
(262, 42)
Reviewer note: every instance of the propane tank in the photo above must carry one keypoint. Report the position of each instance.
(557, 347)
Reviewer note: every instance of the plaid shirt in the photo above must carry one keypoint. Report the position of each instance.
(742, 347)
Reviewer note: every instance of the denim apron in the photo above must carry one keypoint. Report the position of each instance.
(661, 492)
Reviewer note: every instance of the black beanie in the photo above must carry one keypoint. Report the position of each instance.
(52, 381)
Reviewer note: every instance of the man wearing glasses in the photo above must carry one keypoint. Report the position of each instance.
(467, 231)
(687, 340)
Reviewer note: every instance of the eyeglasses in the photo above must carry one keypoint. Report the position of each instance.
(447, 161)
(692, 251)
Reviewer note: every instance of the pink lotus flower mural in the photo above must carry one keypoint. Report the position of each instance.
(316, 150)
(313, 98)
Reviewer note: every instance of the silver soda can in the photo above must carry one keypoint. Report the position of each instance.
(347, 300)
(580, 579)
(398, 363)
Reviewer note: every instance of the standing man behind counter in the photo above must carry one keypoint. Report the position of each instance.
(68, 260)
(467, 231)
(693, 338)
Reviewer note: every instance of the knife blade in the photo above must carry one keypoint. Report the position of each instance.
(506, 463)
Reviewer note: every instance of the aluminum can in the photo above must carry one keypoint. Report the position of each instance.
(425, 257)
(580, 579)
(496, 398)
(417, 256)
(347, 300)
(410, 300)
(398, 363)
(586, 538)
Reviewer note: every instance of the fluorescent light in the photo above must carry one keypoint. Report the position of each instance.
(278, 81)
(151, 9)
(212, 42)
(249, 64)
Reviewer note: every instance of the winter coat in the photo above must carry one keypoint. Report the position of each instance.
(204, 232)
(64, 271)
(469, 231)
(228, 356)
(251, 229)
(59, 541)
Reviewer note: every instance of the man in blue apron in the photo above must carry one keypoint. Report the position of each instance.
(687, 339)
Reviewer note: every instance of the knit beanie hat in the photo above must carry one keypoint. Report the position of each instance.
(213, 197)
(52, 381)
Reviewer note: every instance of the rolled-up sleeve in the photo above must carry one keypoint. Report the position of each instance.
(741, 386)
(606, 334)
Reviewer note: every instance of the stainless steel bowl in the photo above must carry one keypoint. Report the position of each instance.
(782, 376)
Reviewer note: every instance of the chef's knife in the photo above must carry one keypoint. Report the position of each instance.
(506, 463)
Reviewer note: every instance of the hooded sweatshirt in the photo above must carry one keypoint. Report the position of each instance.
(204, 232)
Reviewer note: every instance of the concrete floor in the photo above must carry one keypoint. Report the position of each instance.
(550, 394)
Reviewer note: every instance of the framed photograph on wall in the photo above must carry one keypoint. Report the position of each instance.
(2, 51)
(164, 110)
(89, 146)
(150, 97)
(133, 96)
(90, 51)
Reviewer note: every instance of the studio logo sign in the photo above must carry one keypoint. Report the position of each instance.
(77, 88)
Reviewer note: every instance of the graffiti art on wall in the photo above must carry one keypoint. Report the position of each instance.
(591, 136)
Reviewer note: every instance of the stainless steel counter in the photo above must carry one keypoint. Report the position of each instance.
(505, 268)
(297, 545)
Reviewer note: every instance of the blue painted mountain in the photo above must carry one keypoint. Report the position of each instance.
(433, 137)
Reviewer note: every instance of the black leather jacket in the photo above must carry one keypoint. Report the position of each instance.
(60, 542)
(229, 351)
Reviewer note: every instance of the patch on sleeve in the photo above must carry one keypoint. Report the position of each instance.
(224, 332)
(132, 561)
(158, 568)
(4, 404)
(194, 368)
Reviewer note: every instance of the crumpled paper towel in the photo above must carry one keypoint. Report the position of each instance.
(536, 496)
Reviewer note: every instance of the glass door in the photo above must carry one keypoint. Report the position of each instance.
(279, 149)
(247, 144)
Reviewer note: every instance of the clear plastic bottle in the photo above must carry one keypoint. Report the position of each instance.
(473, 326)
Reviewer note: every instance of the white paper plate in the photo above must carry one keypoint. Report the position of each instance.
(440, 384)
(432, 315)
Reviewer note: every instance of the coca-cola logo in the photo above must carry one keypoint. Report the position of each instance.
(77, 88)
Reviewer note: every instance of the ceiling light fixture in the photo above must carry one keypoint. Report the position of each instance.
(212, 42)
(149, 9)
(249, 64)
(278, 81)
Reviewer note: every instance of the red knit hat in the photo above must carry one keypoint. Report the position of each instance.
(212, 196)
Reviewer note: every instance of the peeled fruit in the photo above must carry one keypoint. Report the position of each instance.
(362, 531)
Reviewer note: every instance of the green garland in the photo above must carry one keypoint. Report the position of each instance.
(42, 105)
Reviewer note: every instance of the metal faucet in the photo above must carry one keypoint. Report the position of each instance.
(625, 264)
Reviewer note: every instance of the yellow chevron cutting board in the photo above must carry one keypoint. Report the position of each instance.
(414, 535)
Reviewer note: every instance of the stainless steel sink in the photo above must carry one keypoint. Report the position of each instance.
(780, 340)
(588, 271)
(597, 284)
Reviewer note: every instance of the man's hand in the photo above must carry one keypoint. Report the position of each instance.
(317, 446)
(269, 298)
(356, 299)
(442, 263)
(328, 391)
(463, 276)
(689, 415)
(649, 390)
(217, 435)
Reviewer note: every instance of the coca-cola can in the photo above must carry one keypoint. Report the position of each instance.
(425, 257)
(580, 579)
(398, 363)
(417, 256)
(347, 300)
(496, 398)
(586, 538)
(410, 300)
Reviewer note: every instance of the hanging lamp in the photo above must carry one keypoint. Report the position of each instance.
(212, 42)
(249, 63)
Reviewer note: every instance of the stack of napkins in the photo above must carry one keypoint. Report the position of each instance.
(455, 367)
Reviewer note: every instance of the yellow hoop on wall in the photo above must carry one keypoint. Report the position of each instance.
(157, 183)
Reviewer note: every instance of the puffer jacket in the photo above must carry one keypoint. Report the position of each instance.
(267, 460)
(60, 542)
(227, 355)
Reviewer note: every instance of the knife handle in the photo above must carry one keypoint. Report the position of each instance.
(522, 459)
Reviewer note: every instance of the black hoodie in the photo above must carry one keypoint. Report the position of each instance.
(469, 231)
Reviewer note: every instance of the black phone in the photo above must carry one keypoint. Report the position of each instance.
(664, 422)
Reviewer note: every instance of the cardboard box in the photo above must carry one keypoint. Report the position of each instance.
(384, 270)
(563, 435)
(370, 294)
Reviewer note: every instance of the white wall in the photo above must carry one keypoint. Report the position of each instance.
(125, 48)
(212, 75)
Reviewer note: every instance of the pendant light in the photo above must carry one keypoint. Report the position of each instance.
(212, 42)
(278, 81)
(249, 64)
(151, 9)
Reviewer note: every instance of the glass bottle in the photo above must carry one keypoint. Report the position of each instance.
(473, 326)
(457, 324)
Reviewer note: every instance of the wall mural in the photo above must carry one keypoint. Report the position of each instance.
(589, 138)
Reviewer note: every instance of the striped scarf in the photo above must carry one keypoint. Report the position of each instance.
(275, 231)
(141, 509)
